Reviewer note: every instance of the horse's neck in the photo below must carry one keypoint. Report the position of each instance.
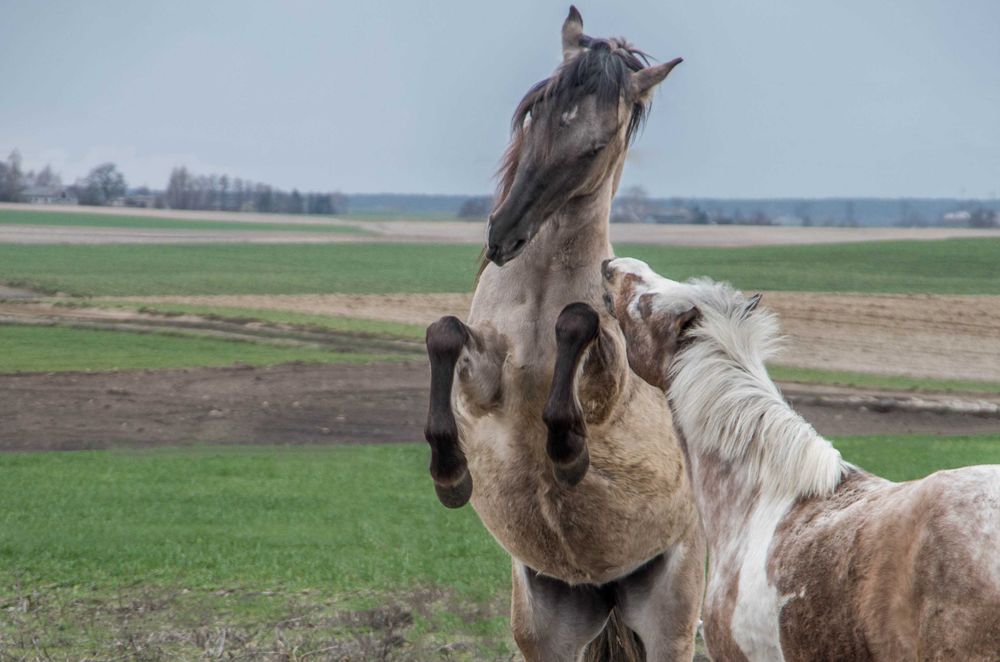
(723, 495)
(748, 449)
(561, 265)
(566, 253)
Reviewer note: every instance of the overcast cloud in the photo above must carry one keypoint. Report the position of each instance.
(789, 98)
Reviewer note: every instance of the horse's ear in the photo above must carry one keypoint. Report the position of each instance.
(685, 320)
(751, 305)
(648, 78)
(572, 33)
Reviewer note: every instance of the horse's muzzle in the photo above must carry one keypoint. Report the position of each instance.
(501, 254)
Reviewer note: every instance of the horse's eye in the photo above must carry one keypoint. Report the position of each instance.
(595, 150)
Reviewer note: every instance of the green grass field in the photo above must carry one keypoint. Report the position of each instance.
(97, 220)
(239, 536)
(376, 328)
(958, 266)
(53, 349)
(56, 349)
(303, 552)
(879, 381)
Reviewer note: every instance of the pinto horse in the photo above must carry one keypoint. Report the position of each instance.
(569, 459)
(811, 558)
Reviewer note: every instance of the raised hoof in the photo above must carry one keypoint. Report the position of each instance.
(457, 494)
(570, 474)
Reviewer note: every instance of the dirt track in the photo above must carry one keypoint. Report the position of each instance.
(935, 336)
(944, 337)
(297, 404)
(286, 404)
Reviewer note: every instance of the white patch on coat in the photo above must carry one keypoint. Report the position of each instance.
(755, 624)
(569, 115)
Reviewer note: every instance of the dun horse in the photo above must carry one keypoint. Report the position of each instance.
(811, 558)
(568, 458)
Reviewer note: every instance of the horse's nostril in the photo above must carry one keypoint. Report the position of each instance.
(518, 245)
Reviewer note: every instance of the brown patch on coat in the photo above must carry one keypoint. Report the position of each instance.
(717, 628)
(884, 571)
(652, 340)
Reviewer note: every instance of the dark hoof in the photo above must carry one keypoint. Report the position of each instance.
(570, 474)
(457, 494)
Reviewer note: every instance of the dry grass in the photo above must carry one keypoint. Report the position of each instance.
(150, 624)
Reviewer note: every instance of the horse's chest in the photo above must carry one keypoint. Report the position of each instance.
(743, 605)
(586, 535)
(741, 625)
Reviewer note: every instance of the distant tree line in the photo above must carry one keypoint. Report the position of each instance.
(476, 208)
(633, 205)
(102, 186)
(186, 190)
(12, 182)
(106, 185)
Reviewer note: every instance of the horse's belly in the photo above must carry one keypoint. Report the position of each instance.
(629, 507)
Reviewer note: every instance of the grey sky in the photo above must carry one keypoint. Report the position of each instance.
(789, 98)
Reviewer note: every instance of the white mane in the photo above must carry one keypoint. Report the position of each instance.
(725, 402)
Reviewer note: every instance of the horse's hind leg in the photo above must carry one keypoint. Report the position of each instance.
(553, 621)
(661, 600)
(573, 401)
(477, 356)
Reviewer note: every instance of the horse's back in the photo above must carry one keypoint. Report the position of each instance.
(886, 570)
(958, 565)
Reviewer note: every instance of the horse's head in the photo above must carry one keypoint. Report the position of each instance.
(653, 313)
(657, 315)
(570, 134)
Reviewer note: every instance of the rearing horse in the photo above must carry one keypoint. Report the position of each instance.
(567, 456)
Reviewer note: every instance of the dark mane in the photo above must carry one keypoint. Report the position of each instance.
(604, 69)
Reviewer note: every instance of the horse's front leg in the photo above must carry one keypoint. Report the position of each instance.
(580, 394)
(477, 356)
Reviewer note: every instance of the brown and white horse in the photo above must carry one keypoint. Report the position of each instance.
(569, 459)
(811, 558)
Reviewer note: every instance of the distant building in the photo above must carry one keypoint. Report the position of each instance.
(788, 221)
(49, 195)
(674, 216)
(960, 218)
(147, 200)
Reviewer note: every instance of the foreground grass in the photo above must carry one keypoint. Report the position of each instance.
(55, 349)
(289, 550)
(294, 518)
(887, 266)
(318, 545)
(63, 219)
